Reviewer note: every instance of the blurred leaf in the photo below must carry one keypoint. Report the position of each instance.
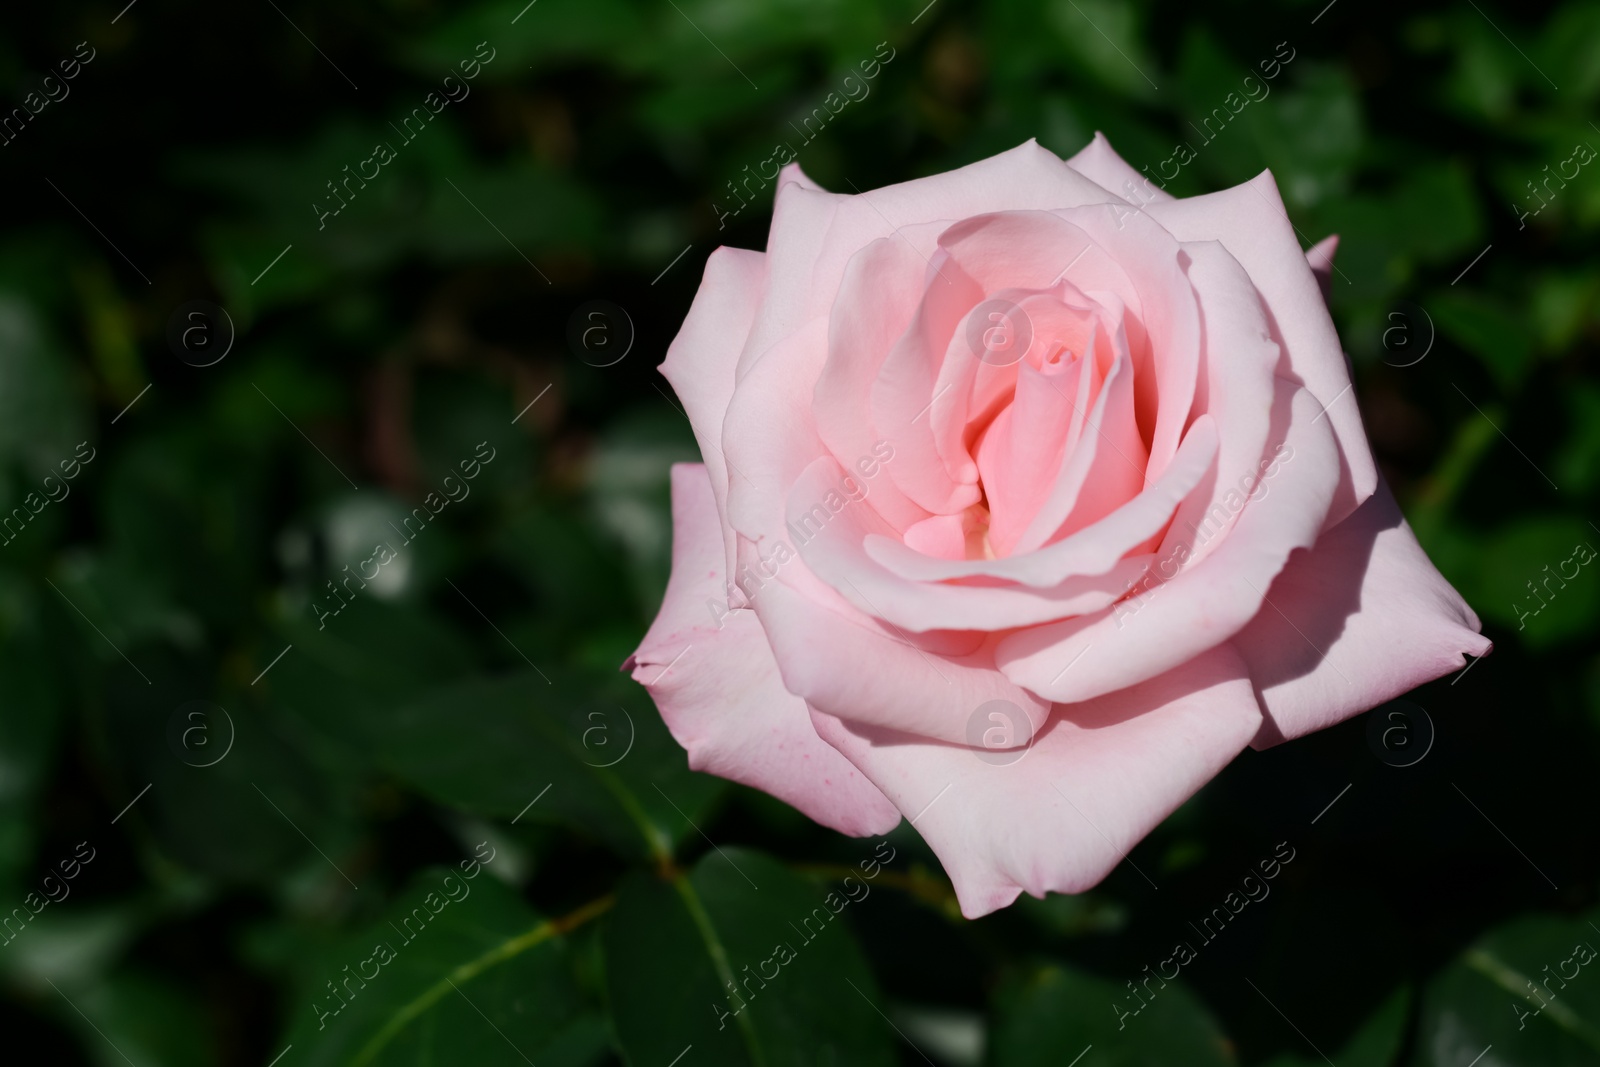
(28, 742)
(42, 414)
(1107, 38)
(1313, 134)
(457, 971)
(1493, 995)
(1489, 330)
(1376, 1044)
(1054, 1013)
(1579, 462)
(1529, 577)
(343, 677)
(141, 1018)
(523, 746)
(675, 950)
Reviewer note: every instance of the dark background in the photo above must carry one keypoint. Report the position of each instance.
(479, 674)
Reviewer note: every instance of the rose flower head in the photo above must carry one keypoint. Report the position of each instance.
(1031, 496)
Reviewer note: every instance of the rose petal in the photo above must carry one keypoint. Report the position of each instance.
(878, 298)
(701, 359)
(1099, 162)
(1237, 391)
(1356, 620)
(1098, 778)
(814, 234)
(769, 434)
(1200, 607)
(719, 690)
(1104, 470)
(1092, 550)
(801, 213)
(1251, 223)
(846, 664)
(1320, 259)
(1162, 307)
(830, 527)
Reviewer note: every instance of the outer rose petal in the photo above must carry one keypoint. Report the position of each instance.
(1319, 257)
(1097, 779)
(1250, 222)
(701, 359)
(719, 690)
(1099, 162)
(1382, 620)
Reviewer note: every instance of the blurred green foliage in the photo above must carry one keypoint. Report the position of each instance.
(469, 698)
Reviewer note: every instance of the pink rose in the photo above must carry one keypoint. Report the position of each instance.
(1028, 489)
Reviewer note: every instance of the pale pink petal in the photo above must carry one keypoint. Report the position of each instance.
(814, 233)
(769, 434)
(1162, 307)
(1358, 619)
(848, 664)
(1022, 178)
(829, 526)
(801, 214)
(1237, 389)
(1320, 259)
(883, 285)
(1092, 550)
(712, 675)
(1252, 225)
(1021, 454)
(1099, 777)
(905, 393)
(1201, 607)
(700, 361)
(1104, 470)
(1099, 162)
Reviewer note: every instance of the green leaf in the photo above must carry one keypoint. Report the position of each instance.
(526, 746)
(141, 1018)
(1488, 329)
(344, 678)
(1530, 577)
(1053, 1014)
(674, 948)
(28, 742)
(1375, 1044)
(1106, 37)
(1492, 994)
(42, 414)
(456, 970)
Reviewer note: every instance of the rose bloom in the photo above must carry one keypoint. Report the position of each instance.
(1031, 496)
